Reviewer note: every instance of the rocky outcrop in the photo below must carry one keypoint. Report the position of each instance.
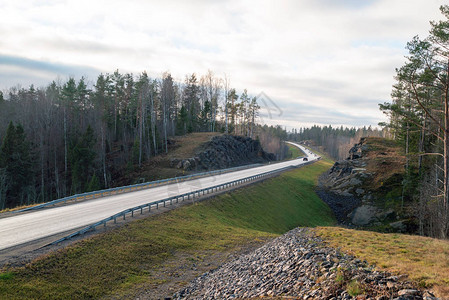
(298, 265)
(225, 151)
(347, 188)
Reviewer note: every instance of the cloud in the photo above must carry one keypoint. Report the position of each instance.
(322, 61)
(18, 70)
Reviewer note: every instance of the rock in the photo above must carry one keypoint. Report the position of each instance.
(225, 151)
(408, 292)
(296, 265)
(174, 162)
(391, 284)
(363, 215)
(399, 226)
(186, 164)
(359, 191)
(429, 296)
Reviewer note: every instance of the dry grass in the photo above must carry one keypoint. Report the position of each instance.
(17, 208)
(424, 260)
(190, 143)
(384, 160)
(158, 167)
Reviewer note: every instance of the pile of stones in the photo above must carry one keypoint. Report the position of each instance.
(298, 265)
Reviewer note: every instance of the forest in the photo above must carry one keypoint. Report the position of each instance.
(419, 122)
(71, 137)
(335, 141)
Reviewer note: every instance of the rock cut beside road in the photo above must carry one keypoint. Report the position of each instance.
(225, 151)
(298, 265)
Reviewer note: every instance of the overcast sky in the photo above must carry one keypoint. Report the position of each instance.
(319, 61)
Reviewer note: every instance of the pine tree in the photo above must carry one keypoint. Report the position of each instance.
(15, 159)
(82, 158)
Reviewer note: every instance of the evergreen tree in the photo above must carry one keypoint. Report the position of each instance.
(16, 160)
(82, 158)
(181, 125)
(94, 184)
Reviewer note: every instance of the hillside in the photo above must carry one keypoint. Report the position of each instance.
(365, 190)
(158, 167)
(424, 260)
(158, 255)
(196, 152)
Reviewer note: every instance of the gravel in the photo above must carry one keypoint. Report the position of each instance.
(299, 265)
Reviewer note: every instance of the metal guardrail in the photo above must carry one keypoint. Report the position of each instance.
(134, 187)
(171, 200)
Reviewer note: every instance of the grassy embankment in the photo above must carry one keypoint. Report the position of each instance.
(425, 260)
(294, 152)
(123, 259)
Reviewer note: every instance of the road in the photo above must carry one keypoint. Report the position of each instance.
(23, 228)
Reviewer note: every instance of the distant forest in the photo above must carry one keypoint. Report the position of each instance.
(335, 141)
(68, 138)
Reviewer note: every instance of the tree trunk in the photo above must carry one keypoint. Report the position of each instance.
(153, 124)
(446, 158)
(406, 165)
(140, 131)
(58, 188)
(42, 168)
(65, 148)
(103, 159)
(421, 144)
(165, 129)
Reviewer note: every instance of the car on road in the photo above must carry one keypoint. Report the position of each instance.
(305, 159)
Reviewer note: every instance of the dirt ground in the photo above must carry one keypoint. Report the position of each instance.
(177, 272)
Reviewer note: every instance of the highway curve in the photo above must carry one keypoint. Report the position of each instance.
(19, 229)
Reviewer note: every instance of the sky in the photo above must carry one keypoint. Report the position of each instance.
(324, 62)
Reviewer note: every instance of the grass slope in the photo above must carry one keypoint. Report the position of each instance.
(425, 260)
(294, 152)
(115, 262)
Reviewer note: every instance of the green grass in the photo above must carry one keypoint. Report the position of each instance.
(118, 261)
(324, 156)
(294, 152)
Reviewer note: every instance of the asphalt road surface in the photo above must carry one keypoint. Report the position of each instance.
(23, 228)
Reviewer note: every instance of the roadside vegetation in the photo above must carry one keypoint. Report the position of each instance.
(425, 260)
(294, 152)
(118, 261)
